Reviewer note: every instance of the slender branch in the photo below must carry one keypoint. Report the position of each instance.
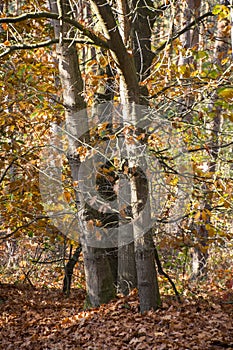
(16, 158)
(117, 45)
(182, 31)
(47, 262)
(24, 226)
(7, 168)
(41, 44)
(161, 92)
(163, 273)
(205, 148)
(26, 274)
(222, 344)
(105, 43)
(69, 268)
(49, 15)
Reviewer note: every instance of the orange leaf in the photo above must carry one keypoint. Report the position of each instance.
(67, 196)
(4, 26)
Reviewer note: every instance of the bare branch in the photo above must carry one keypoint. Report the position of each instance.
(7, 168)
(105, 43)
(49, 15)
(125, 61)
(12, 48)
(163, 273)
(213, 147)
(182, 31)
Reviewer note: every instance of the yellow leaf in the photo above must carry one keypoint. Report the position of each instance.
(225, 60)
(194, 73)
(23, 263)
(197, 215)
(210, 229)
(174, 181)
(182, 69)
(82, 151)
(204, 215)
(9, 207)
(226, 93)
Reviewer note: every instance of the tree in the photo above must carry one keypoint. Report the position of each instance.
(145, 72)
(221, 53)
(100, 289)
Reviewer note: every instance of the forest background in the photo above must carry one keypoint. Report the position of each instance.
(175, 58)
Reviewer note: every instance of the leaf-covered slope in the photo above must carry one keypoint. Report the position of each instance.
(42, 319)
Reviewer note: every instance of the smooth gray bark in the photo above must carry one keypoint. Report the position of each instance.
(130, 93)
(99, 281)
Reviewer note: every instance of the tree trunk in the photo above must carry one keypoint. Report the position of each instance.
(122, 56)
(99, 281)
(129, 71)
(190, 41)
(200, 255)
(147, 281)
(141, 32)
(69, 268)
(143, 243)
(127, 274)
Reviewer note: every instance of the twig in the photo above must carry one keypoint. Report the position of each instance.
(49, 15)
(24, 226)
(222, 344)
(28, 279)
(182, 31)
(47, 262)
(12, 48)
(163, 273)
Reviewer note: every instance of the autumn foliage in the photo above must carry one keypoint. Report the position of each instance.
(188, 83)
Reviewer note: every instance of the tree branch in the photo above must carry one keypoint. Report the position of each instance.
(18, 157)
(40, 44)
(206, 148)
(49, 15)
(24, 226)
(182, 31)
(163, 273)
(116, 44)
(105, 43)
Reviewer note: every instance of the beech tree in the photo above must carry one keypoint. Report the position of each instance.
(100, 287)
(221, 52)
(120, 55)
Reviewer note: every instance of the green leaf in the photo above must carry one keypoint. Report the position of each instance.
(30, 234)
(201, 54)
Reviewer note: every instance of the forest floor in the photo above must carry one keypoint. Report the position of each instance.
(43, 319)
